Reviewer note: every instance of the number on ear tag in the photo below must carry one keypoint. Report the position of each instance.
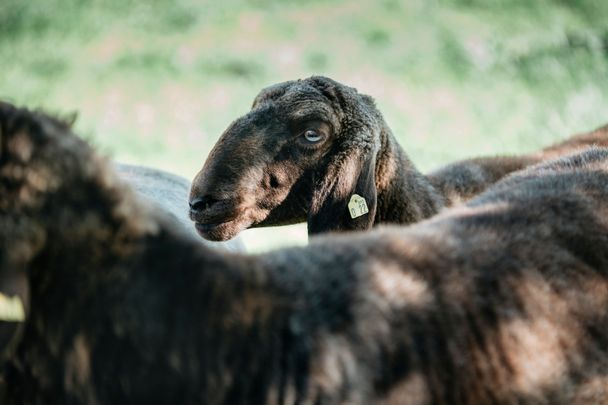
(357, 206)
(11, 309)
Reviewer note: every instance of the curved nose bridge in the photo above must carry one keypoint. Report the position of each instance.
(217, 182)
(235, 165)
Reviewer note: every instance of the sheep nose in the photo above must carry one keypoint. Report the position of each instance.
(200, 204)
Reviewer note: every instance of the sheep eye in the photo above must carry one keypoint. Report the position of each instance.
(312, 136)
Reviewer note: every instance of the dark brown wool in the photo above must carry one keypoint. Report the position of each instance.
(308, 145)
(501, 300)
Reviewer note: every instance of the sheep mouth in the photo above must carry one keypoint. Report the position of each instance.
(219, 231)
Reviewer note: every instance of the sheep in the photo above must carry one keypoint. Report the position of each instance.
(309, 146)
(502, 299)
(169, 192)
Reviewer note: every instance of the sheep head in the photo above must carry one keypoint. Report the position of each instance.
(48, 176)
(305, 148)
(30, 175)
(29, 169)
(55, 192)
(29, 147)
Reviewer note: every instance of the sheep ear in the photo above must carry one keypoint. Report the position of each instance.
(349, 179)
(70, 119)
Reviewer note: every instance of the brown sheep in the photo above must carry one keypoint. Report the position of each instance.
(308, 146)
(502, 300)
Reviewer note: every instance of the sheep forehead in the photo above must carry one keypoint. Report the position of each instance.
(290, 93)
(247, 131)
(311, 110)
(289, 109)
(271, 92)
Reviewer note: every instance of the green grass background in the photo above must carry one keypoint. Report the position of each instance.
(156, 82)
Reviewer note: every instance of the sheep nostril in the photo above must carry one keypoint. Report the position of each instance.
(274, 181)
(200, 204)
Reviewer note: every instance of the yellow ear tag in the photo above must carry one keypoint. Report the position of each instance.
(11, 309)
(357, 206)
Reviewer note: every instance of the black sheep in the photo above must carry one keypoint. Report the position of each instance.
(501, 300)
(307, 147)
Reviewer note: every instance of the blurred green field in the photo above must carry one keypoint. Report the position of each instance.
(156, 82)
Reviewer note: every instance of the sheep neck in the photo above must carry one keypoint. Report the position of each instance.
(405, 195)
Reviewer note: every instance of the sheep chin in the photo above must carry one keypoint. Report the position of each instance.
(221, 231)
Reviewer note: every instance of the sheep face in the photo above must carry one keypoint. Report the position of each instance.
(297, 155)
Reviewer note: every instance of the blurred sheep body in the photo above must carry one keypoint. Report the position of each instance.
(168, 192)
(502, 300)
(308, 146)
